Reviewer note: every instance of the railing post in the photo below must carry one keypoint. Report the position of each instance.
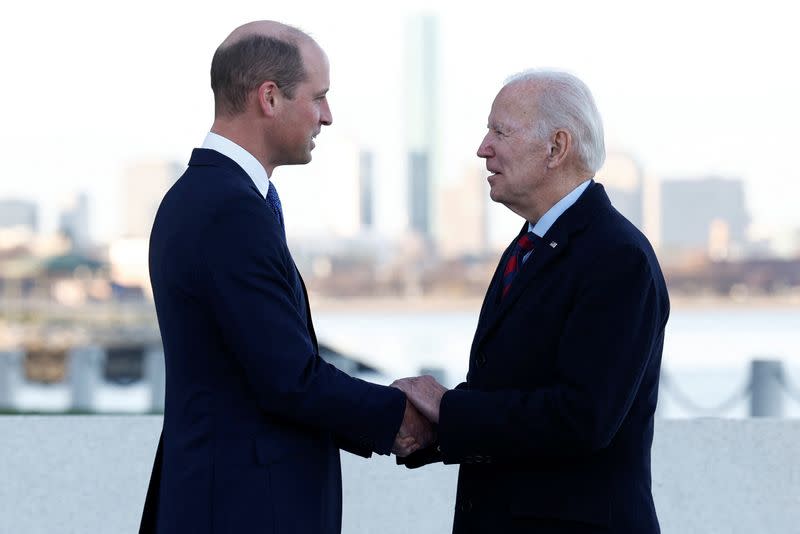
(155, 375)
(766, 397)
(85, 375)
(10, 371)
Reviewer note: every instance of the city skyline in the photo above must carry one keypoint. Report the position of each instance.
(710, 94)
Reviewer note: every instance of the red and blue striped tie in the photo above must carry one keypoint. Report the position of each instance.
(523, 245)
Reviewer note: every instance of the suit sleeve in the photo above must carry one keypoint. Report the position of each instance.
(352, 445)
(616, 321)
(251, 293)
(429, 455)
(421, 458)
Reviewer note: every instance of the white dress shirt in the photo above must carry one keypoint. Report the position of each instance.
(548, 219)
(242, 157)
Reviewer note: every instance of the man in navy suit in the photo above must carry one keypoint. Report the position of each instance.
(554, 424)
(254, 419)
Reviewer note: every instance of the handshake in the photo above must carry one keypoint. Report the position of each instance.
(423, 397)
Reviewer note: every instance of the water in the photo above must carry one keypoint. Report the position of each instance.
(707, 352)
(707, 355)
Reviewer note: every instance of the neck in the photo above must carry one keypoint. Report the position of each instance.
(557, 188)
(240, 133)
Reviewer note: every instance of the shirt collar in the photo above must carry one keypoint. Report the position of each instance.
(242, 157)
(548, 219)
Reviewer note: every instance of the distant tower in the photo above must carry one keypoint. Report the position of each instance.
(623, 179)
(421, 95)
(73, 221)
(706, 215)
(19, 213)
(366, 184)
(465, 215)
(144, 185)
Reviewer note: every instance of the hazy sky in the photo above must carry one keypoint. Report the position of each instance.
(689, 88)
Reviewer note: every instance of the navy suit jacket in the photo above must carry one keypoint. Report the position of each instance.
(554, 424)
(253, 418)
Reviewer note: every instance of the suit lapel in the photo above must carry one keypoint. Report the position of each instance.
(206, 157)
(489, 306)
(554, 243)
(541, 257)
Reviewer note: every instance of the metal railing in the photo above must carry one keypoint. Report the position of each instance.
(82, 372)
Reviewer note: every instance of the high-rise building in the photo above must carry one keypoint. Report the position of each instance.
(422, 129)
(366, 185)
(419, 192)
(464, 209)
(651, 210)
(19, 213)
(73, 221)
(144, 185)
(623, 179)
(707, 215)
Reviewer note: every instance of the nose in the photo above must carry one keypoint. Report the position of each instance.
(485, 150)
(326, 117)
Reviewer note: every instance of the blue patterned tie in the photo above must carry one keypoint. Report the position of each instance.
(274, 202)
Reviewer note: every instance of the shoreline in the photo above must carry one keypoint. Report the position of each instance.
(444, 303)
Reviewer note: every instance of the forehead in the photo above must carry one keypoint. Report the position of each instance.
(514, 104)
(315, 62)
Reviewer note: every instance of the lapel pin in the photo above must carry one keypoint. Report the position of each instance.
(553, 244)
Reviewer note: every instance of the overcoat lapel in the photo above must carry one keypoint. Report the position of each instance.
(493, 292)
(554, 243)
(542, 256)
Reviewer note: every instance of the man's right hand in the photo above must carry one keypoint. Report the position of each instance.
(415, 432)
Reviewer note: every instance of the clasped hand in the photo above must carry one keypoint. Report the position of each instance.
(424, 395)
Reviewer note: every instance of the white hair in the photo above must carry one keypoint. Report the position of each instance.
(565, 102)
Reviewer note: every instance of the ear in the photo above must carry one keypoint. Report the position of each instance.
(269, 96)
(559, 146)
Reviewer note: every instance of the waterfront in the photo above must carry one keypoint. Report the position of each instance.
(707, 350)
(707, 354)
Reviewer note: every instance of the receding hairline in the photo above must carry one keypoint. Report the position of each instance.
(526, 93)
(266, 28)
(537, 82)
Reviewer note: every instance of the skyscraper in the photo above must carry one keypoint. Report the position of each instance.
(144, 185)
(706, 215)
(366, 184)
(422, 143)
(19, 213)
(464, 209)
(622, 177)
(73, 221)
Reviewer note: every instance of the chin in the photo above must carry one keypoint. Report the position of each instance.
(495, 195)
(302, 159)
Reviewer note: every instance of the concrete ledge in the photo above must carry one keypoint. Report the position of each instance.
(727, 476)
(88, 474)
